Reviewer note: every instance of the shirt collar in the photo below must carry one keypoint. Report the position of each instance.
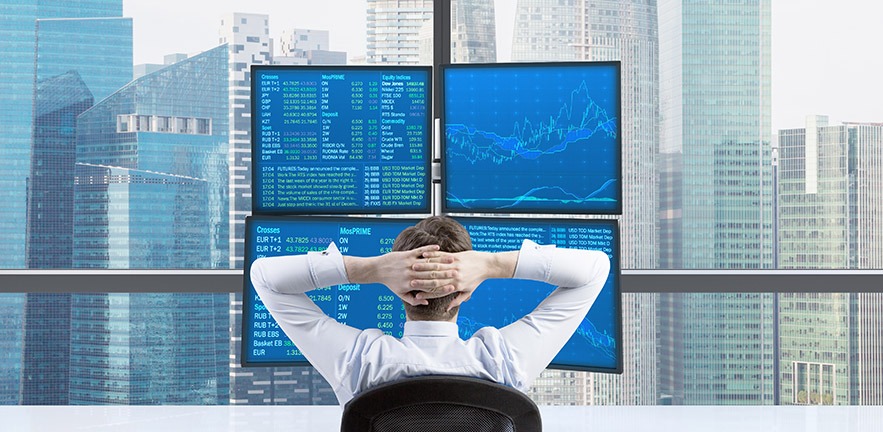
(431, 328)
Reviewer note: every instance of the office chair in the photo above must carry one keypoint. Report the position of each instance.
(441, 404)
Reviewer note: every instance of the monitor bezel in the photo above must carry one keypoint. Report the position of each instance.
(306, 211)
(446, 208)
(247, 304)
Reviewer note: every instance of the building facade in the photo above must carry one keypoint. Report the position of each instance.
(248, 42)
(473, 31)
(546, 30)
(58, 101)
(305, 46)
(247, 37)
(828, 218)
(18, 85)
(150, 191)
(394, 30)
(715, 111)
(574, 30)
(82, 51)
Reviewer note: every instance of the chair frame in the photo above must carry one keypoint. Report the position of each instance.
(359, 413)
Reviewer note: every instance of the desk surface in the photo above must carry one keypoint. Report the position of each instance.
(327, 418)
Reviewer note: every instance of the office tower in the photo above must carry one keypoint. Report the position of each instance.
(57, 103)
(67, 48)
(425, 37)
(145, 68)
(715, 106)
(17, 85)
(546, 30)
(473, 31)
(151, 192)
(174, 123)
(11, 307)
(82, 52)
(394, 29)
(248, 42)
(304, 46)
(829, 201)
(625, 31)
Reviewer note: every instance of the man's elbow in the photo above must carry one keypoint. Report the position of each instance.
(599, 270)
(256, 275)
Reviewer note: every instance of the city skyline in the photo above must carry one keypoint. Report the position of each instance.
(798, 76)
(625, 31)
(162, 161)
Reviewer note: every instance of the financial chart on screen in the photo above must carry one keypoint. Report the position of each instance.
(344, 139)
(532, 138)
(595, 346)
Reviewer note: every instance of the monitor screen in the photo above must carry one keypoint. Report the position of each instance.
(341, 139)
(532, 138)
(596, 345)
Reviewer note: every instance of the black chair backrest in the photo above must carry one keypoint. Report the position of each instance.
(441, 404)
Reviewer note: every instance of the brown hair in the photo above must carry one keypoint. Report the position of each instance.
(450, 236)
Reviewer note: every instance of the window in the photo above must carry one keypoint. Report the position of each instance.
(705, 114)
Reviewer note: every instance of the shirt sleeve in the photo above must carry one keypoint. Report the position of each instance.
(281, 282)
(535, 339)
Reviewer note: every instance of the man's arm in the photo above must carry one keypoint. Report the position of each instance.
(580, 275)
(536, 338)
(462, 272)
(282, 282)
(400, 272)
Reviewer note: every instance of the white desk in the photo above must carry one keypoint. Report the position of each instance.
(327, 418)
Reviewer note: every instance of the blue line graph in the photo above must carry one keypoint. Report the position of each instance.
(600, 342)
(528, 142)
(533, 138)
(554, 194)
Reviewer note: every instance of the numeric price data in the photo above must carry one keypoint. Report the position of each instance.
(340, 139)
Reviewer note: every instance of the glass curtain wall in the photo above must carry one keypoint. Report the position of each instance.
(126, 144)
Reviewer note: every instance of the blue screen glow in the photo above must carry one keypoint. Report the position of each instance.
(340, 139)
(596, 345)
(532, 138)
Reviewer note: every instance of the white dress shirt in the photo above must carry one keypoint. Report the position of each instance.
(353, 360)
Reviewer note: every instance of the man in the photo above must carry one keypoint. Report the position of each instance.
(433, 269)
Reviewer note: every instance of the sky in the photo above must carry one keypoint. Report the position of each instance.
(826, 60)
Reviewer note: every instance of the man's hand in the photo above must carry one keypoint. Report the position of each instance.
(396, 271)
(460, 272)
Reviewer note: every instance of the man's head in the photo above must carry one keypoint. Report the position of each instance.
(450, 236)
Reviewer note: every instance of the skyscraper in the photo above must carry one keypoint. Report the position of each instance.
(394, 30)
(715, 105)
(150, 191)
(11, 307)
(306, 46)
(828, 218)
(247, 37)
(82, 52)
(546, 30)
(57, 101)
(473, 31)
(248, 42)
(17, 85)
(625, 31)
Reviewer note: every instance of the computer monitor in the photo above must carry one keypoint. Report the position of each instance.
(341, 139)
(532, 138)
(596, 345)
